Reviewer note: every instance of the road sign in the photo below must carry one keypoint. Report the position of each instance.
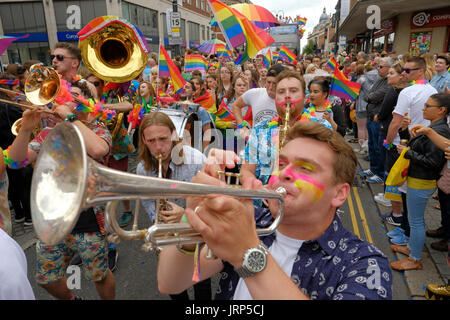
(175, 23)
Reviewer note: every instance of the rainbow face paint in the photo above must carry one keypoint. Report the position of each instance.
(301, 181)
(306, 165)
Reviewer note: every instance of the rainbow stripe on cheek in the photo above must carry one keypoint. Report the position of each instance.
(306, 183)
(274, 178)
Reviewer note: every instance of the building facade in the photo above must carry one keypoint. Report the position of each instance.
(50, 21)
(323, 34)
(405, 26)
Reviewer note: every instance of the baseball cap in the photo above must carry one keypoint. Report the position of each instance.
(275, 70)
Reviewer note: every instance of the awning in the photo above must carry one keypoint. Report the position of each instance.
(356, 21)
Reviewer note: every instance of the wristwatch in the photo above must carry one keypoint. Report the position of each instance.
(254, 261)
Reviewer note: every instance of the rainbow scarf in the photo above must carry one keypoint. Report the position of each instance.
(168, 69)
(287, 54)
(342, 87)
(207, 102)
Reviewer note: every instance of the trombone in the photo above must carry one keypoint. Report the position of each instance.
(63, 185)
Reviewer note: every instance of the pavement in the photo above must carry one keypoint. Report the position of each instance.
(435, 269)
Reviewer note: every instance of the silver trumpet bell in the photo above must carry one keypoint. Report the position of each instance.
(66, 181)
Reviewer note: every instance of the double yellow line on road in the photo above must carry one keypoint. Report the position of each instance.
(361, 214)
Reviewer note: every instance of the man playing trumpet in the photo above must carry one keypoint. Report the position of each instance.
(310, 256)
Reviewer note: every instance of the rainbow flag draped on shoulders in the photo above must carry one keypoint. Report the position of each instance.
(287, 54)
(237, 30)
(342, 87)
(167, 68)
(194, 62)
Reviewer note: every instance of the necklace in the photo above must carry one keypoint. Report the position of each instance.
(312, 107)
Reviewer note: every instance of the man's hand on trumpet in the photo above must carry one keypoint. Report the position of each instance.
(31, 118)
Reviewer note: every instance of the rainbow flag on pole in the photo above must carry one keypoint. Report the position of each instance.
(195, 62)
(287, 54)
(167, 68)
(332, 63)
(267, 59)
(342, 87)
(237, 30)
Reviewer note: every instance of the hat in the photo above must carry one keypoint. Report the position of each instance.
(275, 70)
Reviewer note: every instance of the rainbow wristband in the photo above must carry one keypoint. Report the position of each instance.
(386, 145)
(14, 164)
(242, 125)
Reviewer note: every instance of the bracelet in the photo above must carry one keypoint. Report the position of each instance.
(13, 164)
(180, 248)
(386, 145)
(242, 125)
(71, 117)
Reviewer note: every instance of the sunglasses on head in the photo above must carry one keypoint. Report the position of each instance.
(408, 70)
(58, 57)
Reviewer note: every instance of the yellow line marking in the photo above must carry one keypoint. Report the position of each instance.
(362, 214)
(352, 215)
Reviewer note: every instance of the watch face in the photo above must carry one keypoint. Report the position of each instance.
(256, 261)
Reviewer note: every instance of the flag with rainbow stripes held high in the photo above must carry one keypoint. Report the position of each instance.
(287, 54)
(267, 59)
(342, 87)
(194, 62)
(332, 63)
(167, 68)
(237, 30)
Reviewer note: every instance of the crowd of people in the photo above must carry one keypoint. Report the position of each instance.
(403, 104)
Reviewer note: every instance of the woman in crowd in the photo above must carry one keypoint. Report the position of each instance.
(225, 79)
(252, 78)
(203, 97)
(426, 163)
(320, 105)
(211, 86)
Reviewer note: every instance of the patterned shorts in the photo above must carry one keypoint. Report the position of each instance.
(52, 261)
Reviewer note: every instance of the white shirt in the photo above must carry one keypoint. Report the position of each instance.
(263, 106)
(284, 251)
(14, 284)
(412, 100)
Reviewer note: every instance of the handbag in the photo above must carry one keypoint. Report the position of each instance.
(444, 182)
(399, 171)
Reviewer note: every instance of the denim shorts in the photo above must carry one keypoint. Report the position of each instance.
(52, 261)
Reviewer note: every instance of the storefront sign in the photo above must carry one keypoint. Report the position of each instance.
(420, 42)
(67, 36)
(431, 18)
(387, 27)
(33, 37)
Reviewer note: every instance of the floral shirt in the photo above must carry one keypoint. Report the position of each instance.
(336, 266)
(262, 147)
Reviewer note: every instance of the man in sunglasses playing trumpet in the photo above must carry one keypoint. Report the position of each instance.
(310, 255)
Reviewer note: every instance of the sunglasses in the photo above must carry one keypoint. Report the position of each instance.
(59, 57)
(426, 105)
(408, 71)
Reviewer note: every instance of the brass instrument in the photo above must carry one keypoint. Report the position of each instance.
(161, 204)
(114, 54)
(41, 87)
(284, 130)
(63, 185)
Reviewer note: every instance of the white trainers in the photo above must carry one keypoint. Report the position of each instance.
(380, 199)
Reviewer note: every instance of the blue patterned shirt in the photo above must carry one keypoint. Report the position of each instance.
(336, 266)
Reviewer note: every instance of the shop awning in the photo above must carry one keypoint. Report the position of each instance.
(356, 21)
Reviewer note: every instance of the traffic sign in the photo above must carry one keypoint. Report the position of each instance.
(175, 23)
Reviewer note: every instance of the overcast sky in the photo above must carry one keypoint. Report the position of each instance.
(311, 9)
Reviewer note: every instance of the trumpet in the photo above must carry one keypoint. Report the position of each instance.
(285, 128)
(63, 185)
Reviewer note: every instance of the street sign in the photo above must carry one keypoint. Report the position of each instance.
(175, 23)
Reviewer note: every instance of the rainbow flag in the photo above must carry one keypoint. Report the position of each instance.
(167, 68)
(342, 87)
(332, 63)
(275, 56)
(287, 54)
(224, 113)
(301, 33)
(267, 59)
(301, 21)
(222, 50)
(238, 30)
(195, 62)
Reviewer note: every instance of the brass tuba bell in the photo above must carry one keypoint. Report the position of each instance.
(112, 49)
